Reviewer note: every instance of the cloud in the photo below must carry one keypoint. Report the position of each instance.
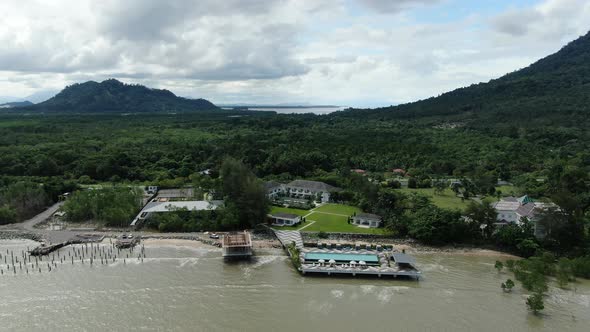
(551, 19)
(333, 51)
(395, 6)
(207, 40)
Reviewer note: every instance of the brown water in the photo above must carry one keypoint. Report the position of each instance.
(192, 289)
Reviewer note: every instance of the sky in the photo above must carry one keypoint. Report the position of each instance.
(361, 53)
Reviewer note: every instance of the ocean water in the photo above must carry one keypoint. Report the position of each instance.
(183, 288)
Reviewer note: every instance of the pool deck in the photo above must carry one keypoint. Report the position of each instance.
(385, 267)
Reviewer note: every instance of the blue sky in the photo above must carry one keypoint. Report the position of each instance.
(363, 53)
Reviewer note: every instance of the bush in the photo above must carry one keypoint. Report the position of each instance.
(323, 235)
(7, 215)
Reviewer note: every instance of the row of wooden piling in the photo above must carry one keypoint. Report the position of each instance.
(87, 254)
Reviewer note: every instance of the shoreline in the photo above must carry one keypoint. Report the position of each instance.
(201, 240)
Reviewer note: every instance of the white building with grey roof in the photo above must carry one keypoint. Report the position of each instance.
(301, 189)
(367, 220)
(511, 210)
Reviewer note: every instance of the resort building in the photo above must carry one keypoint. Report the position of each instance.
(284, 219)
(513, 209)
(273, 189)
(367, 220)
(301, 189)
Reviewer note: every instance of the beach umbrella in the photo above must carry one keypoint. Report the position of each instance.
(332, 261)
(352, 262)
(321, 261)
(362, 263)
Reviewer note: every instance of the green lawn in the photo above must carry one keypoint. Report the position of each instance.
(446, 200)
(333, 223)
(338, 209)
(509, 190)
(277, 209)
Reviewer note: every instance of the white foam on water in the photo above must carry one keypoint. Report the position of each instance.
(188, 261)
(337, 293)
(315, 307)
(368, 289)
(433, 267)
(565, 297)
(259, 262)
(384, 296)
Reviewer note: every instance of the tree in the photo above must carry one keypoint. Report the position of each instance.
(499, 266)
(482, 214)
(535, 303)
(508, 285)
(435, 225)
(243, 193)
(564, 272)
(7, 215)
(510, 264)
(412, 183)
(440, 186)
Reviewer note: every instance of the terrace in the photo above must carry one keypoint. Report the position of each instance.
(357, 262)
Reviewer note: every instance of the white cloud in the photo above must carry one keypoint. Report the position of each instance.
(334, 51)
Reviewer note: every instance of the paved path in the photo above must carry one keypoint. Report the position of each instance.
(334, 214)
(30, 224)
(288, 237)
(311, 223)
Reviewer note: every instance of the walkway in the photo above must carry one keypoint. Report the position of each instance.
(288, 237)
(41, 217)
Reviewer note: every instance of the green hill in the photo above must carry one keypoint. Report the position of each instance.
(554, 90)
(114, 96)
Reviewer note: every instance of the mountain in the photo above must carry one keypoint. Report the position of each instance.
(114, 96)
(16, 104)
(555, 88)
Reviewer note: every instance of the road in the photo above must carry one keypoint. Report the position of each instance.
(30, 224)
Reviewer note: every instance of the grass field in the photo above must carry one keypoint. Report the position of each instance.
(338, 209)
(333, 223)
(277, 209)
(446, 200)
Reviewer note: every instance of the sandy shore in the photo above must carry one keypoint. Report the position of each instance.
(175, 242)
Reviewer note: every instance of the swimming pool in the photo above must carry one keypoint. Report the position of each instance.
(338, 257)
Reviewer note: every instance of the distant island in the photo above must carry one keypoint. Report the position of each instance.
(16, 104)
(247, 106)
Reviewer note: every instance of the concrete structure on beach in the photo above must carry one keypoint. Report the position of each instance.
(237, 245)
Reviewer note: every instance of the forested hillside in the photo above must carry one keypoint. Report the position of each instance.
(114, 96)
(553, 91)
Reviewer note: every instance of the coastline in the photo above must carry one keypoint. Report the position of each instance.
(201, 240)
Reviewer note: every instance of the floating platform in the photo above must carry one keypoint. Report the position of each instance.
(358, 262)
(237, 245)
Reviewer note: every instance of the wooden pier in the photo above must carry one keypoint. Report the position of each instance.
(237, 245)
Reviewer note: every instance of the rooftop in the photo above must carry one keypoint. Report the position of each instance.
(175, 193)
(283, 215)
(368, 216)
(237, 240)
(177, 205)
(313, 185)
